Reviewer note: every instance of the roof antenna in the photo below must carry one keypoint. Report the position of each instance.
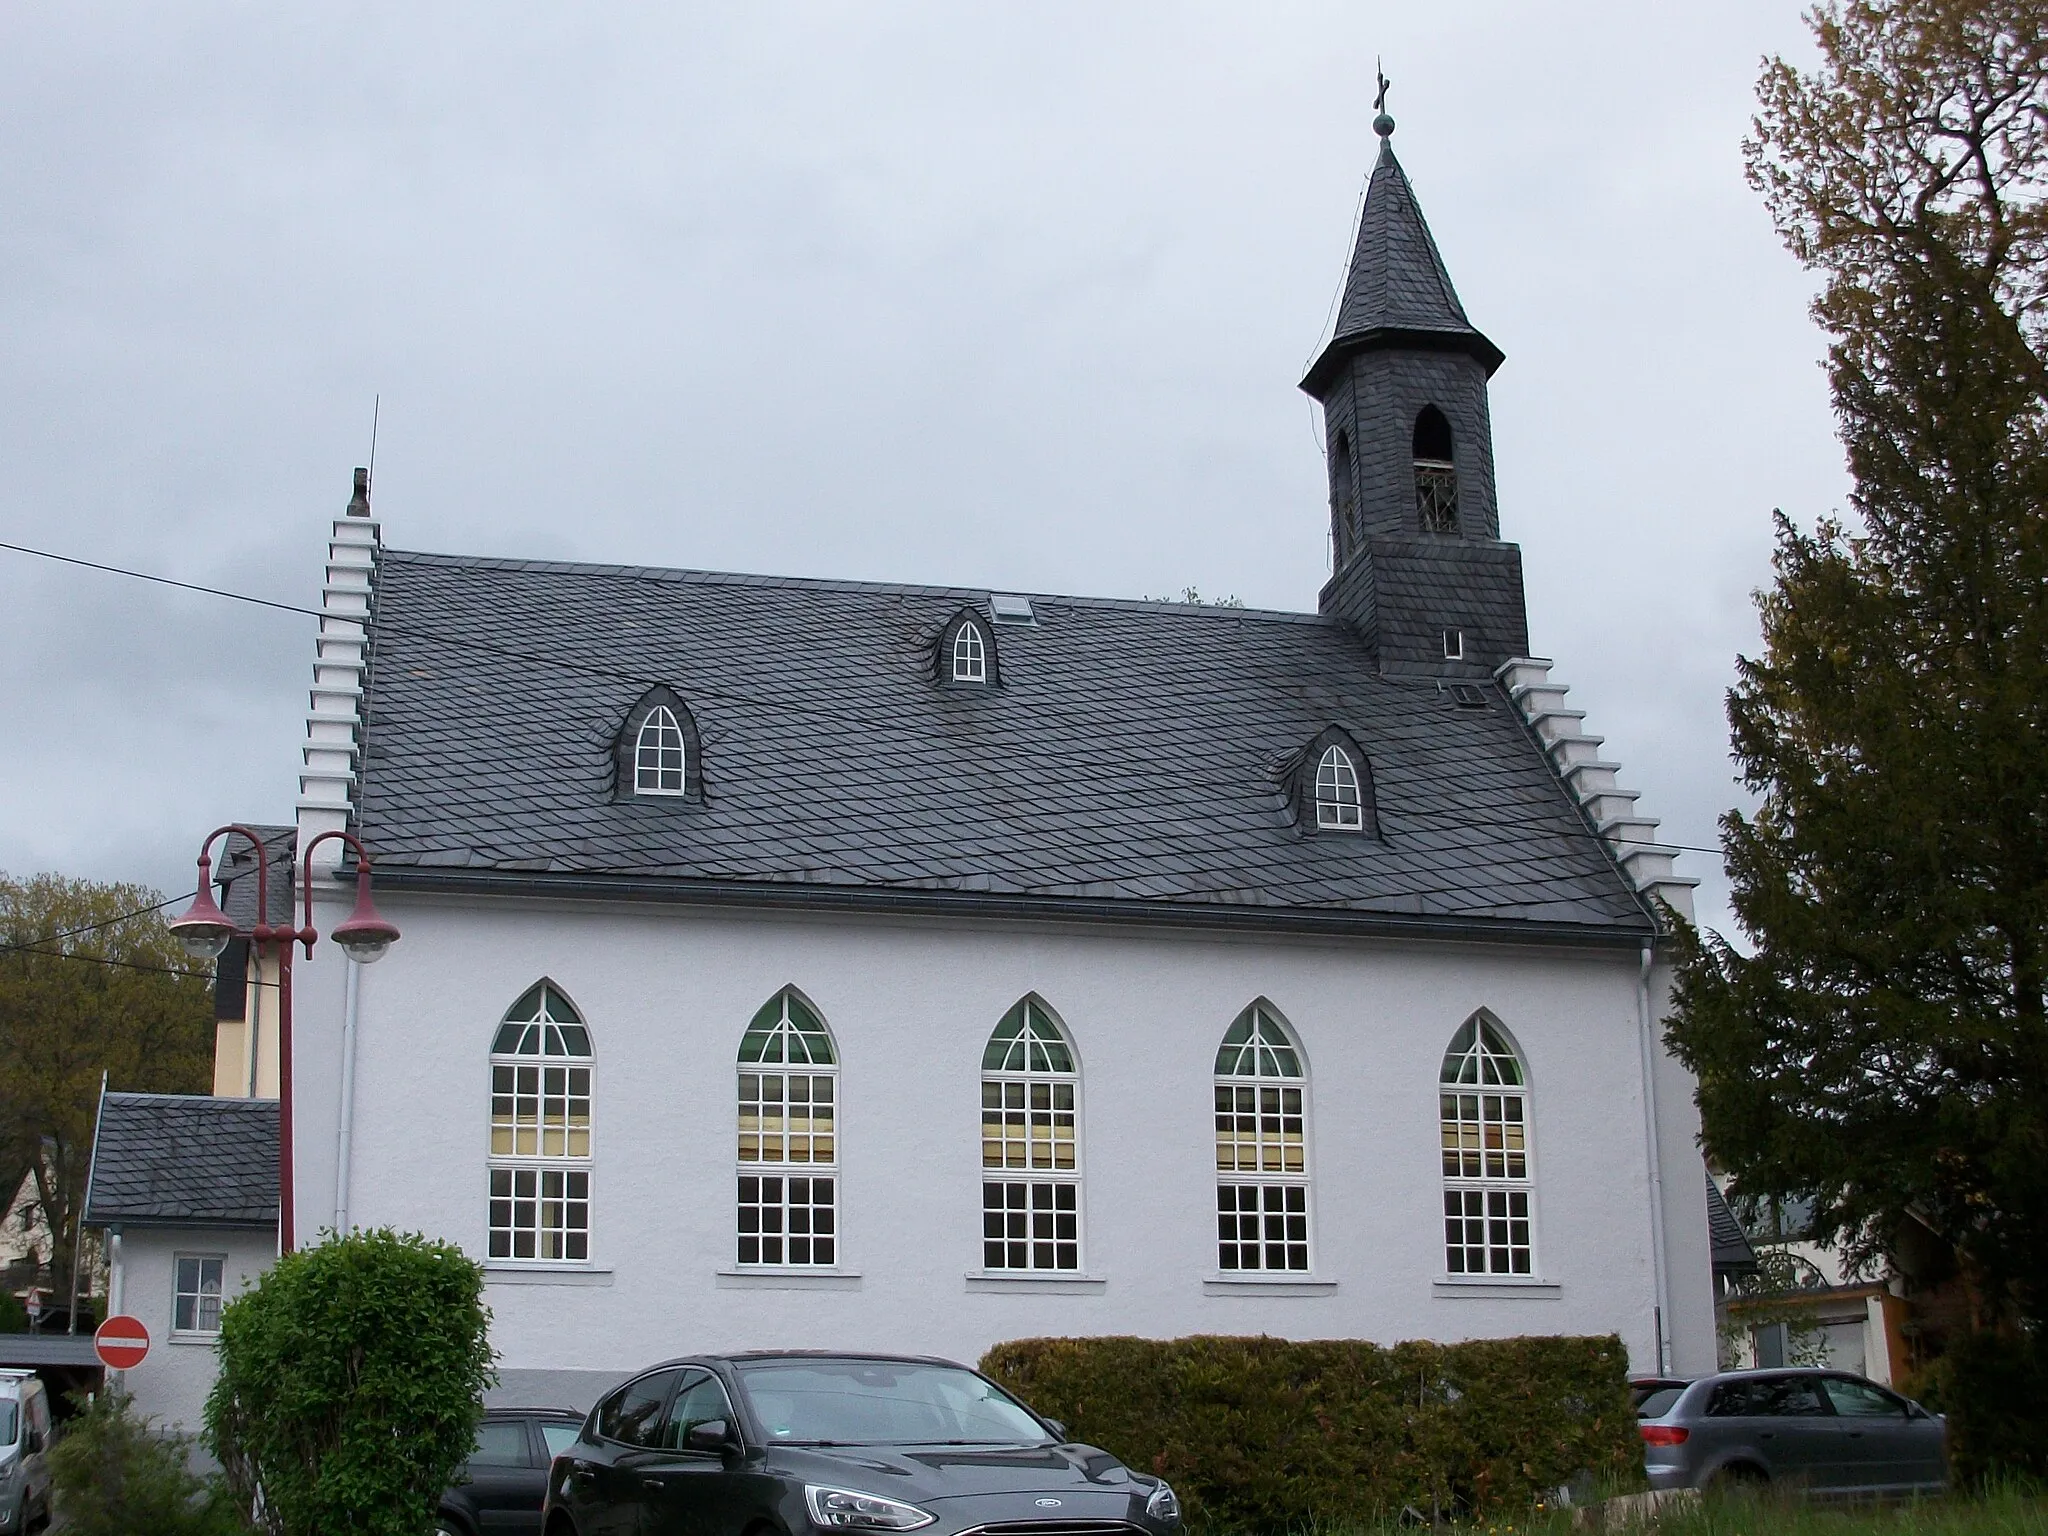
(359, 503)
(1383, 125)
(377, 402)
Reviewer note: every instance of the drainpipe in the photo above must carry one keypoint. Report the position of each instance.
(344, 1136)
(1654, 1160)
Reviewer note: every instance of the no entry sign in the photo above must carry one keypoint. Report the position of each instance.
(121, 1342)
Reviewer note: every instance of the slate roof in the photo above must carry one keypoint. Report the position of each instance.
(174, 1159)
(235, 872)
(1133, 762)
(1398, 290)
(1731, 1249)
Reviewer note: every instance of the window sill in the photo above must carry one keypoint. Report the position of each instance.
(193, 1336)
(1266, 1284)
(512, 1272)
(1516, 1286)
(1060, 1282)
(768, 1278)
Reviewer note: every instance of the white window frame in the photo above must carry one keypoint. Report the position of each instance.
(1278, 1067)
(648, 778)
(555, 1180)
(1336, 777)
(970, 654)
(1486, 1184)
(200, 1296)
(1041, 1187)
(786, 1033)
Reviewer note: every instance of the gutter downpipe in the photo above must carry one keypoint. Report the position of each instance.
(344, 1136)
(1654, 1161)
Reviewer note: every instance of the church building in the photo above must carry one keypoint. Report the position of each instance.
(794, 962)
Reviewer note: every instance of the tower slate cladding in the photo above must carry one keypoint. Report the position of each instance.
(1420, 566)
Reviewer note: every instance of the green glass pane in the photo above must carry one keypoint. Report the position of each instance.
(508, 1038)
(577, 1039)
(557, 1007)
(529, 1004)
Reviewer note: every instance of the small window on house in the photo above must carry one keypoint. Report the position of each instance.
(658, 754)
(1339, 805)
(1454, 645)
(1483, 1102)
(1030, 1145)
(970, 656)
(196, 1305)
(1262, 1176)
(1343, 513)
(788, 1178)
(1436, 473)
(1010, 608)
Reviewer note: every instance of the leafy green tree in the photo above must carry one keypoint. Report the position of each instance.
(351, 1384)
(91, 982)
(1885, 1047)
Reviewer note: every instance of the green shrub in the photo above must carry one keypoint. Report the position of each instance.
(115, 1476)
(13, 1315)
(1266, 1434)
(351, 1384)
(1989, 1386)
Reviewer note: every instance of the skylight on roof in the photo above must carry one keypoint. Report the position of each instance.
(1008, 608)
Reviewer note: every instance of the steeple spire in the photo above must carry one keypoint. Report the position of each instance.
(1398, 292)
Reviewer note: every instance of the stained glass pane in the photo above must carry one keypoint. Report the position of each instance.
(1027, 1040)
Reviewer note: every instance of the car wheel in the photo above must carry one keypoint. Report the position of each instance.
(1738, 1477)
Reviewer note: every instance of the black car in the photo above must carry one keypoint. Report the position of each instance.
(501, 1486)
(798, 1442)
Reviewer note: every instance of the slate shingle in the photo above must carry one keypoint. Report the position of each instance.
(176, 1159)
(1130, 754)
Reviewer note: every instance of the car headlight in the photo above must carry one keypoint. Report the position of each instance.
(1163, 1506)
(846, 1509)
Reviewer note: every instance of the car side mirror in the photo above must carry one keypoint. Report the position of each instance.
(711, 1435)
(1059, 1430)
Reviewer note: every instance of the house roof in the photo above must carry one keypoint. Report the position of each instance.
(235, 871)
(1398, 291)
(1134, 761)
(174, 1159)
(1732, 1252)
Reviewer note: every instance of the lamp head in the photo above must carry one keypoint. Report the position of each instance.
(203, 930)
(364, 935)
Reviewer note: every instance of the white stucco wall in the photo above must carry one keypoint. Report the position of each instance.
(667, 992)
(171, 1384)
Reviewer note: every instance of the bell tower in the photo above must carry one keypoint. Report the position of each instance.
(1420, 567)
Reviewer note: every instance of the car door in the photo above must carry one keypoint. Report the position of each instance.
(603, 1476)
(500, 1481)
(1781, 1422)
(687, 1491)
(1884, 1445)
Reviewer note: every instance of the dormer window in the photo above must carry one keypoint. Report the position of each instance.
(970, 656)
(1339, 807)
(657, 750)
(658, 754)
(1436, 473)
(1454, 645)
(965, 655)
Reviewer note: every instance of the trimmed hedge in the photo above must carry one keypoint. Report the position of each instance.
(1989, 1386)
(1267, 1434)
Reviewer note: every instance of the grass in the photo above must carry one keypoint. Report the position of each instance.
(2005, 1513)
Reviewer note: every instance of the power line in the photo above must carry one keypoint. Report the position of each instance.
(112, 922)
(614, 675)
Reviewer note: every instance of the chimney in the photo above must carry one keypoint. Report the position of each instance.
(333, 744)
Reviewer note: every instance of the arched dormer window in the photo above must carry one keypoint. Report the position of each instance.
(540, 1130)
(1483, 1110)
(1343, 507)
(1333, 786)
(1030, 1144)
(1436, 473)
(657, 750)
(967, 652)
(788, 1208)
(1261, 1146)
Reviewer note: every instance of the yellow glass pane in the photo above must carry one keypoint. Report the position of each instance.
(501, 1139)
(579, 1143)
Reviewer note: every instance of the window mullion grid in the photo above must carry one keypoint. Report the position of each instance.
(539, 1165)
(1262, 1175)
(1489, 1221)
(788, 1120)
(1031, 1171)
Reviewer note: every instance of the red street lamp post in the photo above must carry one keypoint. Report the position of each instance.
(204, 930)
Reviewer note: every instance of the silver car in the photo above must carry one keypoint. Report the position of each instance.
(1826, 1431)
(24, 1452)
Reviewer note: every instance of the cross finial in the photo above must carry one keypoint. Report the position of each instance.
(1383, 125)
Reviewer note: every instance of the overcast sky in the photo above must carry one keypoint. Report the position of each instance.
(999, 295)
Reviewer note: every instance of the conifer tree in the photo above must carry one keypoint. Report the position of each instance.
(1884, 1049)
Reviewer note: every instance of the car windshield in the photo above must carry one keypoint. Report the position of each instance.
(882, 1402)
(8, 1412)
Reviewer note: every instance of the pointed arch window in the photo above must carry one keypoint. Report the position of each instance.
(1340, 805)
(788, 1180)
(1030, 1144)
(1483, 1098)
(1262, 1173)
(1342, 507)
(1436, 472)
(540, 1130)
(970, 655)
(658, 750)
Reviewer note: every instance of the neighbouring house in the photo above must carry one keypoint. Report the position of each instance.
(185, 1186)
(797, 962)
